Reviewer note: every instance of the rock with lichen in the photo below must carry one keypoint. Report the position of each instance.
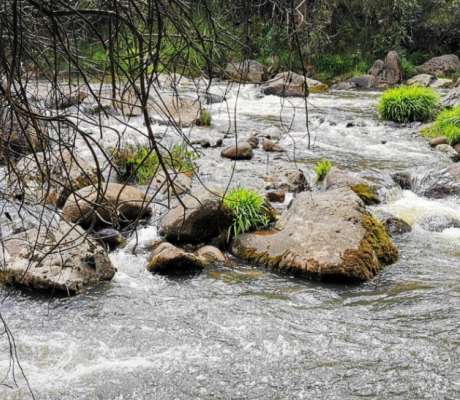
(326, 235)
(54, 258)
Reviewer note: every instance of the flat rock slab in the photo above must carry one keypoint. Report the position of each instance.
(328, 236)
(58, 258)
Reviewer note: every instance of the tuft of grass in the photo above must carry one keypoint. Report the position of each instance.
(409, 103)
(204, 119)
(249, 210)
(322, 168)
(447, 124)
(142, 163)
(455, 76)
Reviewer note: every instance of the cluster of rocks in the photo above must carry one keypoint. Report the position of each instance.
(285, 84)
(389, 73)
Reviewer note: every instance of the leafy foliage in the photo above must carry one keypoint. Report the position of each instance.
(322, 169)
(447, 124)
(142, 163)
(248, 208)
(409, 103)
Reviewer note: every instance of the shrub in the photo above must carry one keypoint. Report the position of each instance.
(322, 169)
(144, 163)
(447, 124)
(409, 103)
(249, 210)
(408, 69)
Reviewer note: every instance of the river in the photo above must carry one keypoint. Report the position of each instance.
(241, 332)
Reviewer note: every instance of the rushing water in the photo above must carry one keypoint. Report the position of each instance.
(238, 332)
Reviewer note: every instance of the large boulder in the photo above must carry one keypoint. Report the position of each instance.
(362, 81)
(170, 260)
(201, 217)
(443, 65)
(327, 235)
(109, 204)
(290, 84)
(53, 258)
(247, 71)
(388, 72)
(452, 98)
(50, 177)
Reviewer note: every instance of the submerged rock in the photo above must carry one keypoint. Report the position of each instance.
(327, 235)
(395, 226)
(438, 223)
(403, 179)
(204, 217)
(56, 258)
(170, 260)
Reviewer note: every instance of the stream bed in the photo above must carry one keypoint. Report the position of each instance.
(242, 332)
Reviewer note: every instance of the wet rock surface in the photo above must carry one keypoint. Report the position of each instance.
(326, 235)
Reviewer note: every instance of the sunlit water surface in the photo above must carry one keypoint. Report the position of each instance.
(239, 332)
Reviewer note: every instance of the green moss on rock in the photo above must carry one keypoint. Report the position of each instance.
(366, 193)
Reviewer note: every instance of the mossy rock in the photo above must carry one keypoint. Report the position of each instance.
(366, 193)
(327, 236)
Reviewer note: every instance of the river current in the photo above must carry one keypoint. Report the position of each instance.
(241, 332)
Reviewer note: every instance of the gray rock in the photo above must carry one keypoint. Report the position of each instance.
(247, 71)
(388, 72)
(241, 151)
(449, 151)
(446, 64)
(203, 218)
(395, 226)
(289, 178)
(181, 182)
(403, 179)
(326, 235)
(113, 204)
(363, 81)
(170, 260)
(58, 258)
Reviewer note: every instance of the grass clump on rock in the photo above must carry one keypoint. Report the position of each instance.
(322, 168)
(141, 163)
(408, 104)
(249, 210)
(204, 119)
(447, 124)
